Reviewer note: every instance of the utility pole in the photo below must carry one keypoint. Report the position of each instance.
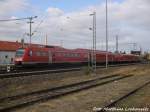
(116, 43)
(30, 29)
(106, 35)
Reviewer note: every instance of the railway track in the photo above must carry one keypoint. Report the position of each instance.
(30, 73)
(130, 93)
(18, 101)
(32, 69)
(21, 74)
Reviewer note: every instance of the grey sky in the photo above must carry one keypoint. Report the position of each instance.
(130, 19)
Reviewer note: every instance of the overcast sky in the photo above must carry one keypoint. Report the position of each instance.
(67, 22)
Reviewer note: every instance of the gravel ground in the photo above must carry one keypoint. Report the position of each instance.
(20, 85)
(85, 101)
(140, 100)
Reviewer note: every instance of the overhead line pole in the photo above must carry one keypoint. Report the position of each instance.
(30, 22)
(117, 44)
(106, 35)
(93, 52)
(94, 42)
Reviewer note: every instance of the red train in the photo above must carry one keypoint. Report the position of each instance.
(58, 55)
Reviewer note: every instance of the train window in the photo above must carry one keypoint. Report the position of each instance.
(44, 54)
(69, 55)
(65, 54)
(76, 55)
(72, 55)
(19, 52)
(38, 53)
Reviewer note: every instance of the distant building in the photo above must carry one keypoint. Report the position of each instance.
(8, 49)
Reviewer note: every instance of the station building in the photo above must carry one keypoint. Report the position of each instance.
(7, 51)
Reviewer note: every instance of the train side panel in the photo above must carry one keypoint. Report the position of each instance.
(37, 55)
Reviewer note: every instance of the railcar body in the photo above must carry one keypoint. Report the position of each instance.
(42, 55)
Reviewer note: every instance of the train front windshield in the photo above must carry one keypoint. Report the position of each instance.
(20, 52)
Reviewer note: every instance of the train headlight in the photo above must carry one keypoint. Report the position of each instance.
(19, 59)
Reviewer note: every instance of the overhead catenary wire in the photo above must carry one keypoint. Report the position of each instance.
(6, 20)
(40, 34)
(30, 23)
(38, 25)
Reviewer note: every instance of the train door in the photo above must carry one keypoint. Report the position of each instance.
(50, 57)
(30, 55)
